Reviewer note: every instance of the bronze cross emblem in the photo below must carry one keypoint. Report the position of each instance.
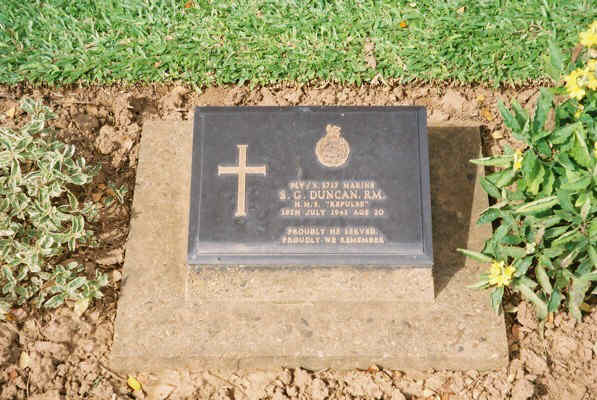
(241, 170)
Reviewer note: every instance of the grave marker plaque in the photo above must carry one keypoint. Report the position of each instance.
(310, 186)
(268, 293)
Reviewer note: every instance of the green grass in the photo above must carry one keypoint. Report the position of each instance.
(228, 41)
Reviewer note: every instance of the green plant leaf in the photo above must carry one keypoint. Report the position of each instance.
(497, 161)
(513, 251)
(476, 255)
(543, 279)
(553, 73)
(586, 208)
(530, 165)
(593, 255)
(592, 229)
(570, 236)
(490, 188)
(576, 296)
(544, 104)
(550, 221)
(548, 182)
(29, 105)
(8, 275)
(579, 183)
(580, 152)
(535, 183)
(506, 178)
(521, 115)
(540, 135)
(55, 301)
(524, 133)
(509, 120)
(528, 293)
(554, 301)
(39, 214)
(555, 231)
(554, 251)
(556, 59)
(500, 233)
(567, 261)
(542, 147)
(524, 280)
(479, 285)
(564, 133)
(76, 283)
(564, 200)
(522, 266)
(590, 276)
(489, 215)
(496, 298)
(536, 206)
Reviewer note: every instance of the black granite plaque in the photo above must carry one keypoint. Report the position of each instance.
(310, 186)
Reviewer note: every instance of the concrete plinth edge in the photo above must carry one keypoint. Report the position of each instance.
(171, 316)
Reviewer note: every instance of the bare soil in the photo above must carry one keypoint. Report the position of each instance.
(51, 355)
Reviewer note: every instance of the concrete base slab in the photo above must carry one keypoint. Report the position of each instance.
(292, 284)
(170, 316)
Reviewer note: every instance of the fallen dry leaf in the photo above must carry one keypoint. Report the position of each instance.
(16, 314)
(576, 52)
(189, 4)
(485, 113)
(10, 113)
(499, 134)
(96, 196)
(586, 307)
(12, 375)
(373, 369)
(24, 360)
(114, 256)
(80, 306)
(133, 383)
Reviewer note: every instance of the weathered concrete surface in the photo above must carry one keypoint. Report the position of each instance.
(170, 316)
(296, 284)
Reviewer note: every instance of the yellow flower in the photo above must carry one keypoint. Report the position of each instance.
(579, 111)
(509, 271)
(517, 159)
(574, 90)
(588, 38)
(496, 268)
(590, 74)
(591, 80)
(499, 274)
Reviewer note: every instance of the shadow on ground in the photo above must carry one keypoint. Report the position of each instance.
(452, 191)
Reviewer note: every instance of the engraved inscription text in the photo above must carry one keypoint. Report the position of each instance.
(313, 234)
(349, 198)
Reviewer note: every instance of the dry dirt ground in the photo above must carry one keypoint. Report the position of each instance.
(56, 355)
